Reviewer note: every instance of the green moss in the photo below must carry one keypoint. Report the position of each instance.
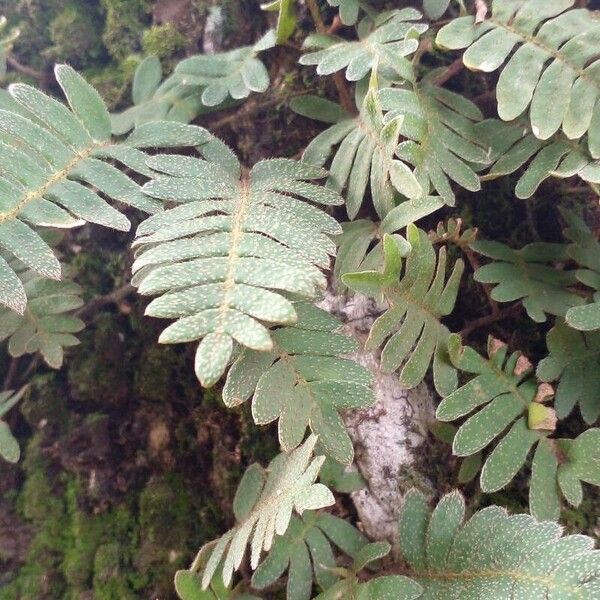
(125, 22)
(163, 41)
(75, 35)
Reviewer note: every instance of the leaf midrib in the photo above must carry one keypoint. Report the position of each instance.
(57, 176)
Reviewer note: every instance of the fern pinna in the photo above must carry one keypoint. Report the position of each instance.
(239, 256)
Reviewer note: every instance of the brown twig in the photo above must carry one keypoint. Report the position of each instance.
(24, 69)
(449, 72)
(114, 297)
(505, 313)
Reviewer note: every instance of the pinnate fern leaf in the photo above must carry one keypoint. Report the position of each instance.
(441, 141)
(499, 397)
(493, 554)
(385, 47)
(418, 299)
(221, 259)
(306, 552)
(303, 381)
(199, 85)
(529, 275)
(573, 361)
(365, 152)
(55, 166)
(553, 69)
(263, 506)
(47, 325)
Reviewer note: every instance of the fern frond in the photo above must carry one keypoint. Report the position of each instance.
(553, 69)
(397, 587)
(501, 395)
(9, 447)
(365, 153)
(417, 299)
(199, 85)
(263, 507)
(54, 168)
(391, 40)
(573, 361)
(215, 259)
(493, 554)
(529, 275)
(303, 381)
(441, 140)
(46, 326)
(306, 552)
(562, 465)
(513, 146)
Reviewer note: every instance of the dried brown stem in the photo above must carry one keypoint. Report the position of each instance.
(24, 69)
(114, 297)
(505, 313)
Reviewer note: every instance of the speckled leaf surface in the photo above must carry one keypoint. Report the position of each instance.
(304, 381)
(223, 259)
(289, 486)
(495, 555)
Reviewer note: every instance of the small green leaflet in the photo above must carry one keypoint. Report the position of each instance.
(493, 554)
(529, 275)
(418, 298)
(9, 447)
(263, 506)
(286, 18)
(306, 552)
(303, 381)
(222, 259)
(46, 326)
(385, 47)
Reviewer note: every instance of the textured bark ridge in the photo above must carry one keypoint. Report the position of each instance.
(390, 437)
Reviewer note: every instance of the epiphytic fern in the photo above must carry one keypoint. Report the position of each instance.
(417, 301)
(553, 71)
(306, 552)
(441, 139)
(46, 326)
(365, 153)
(263, 506)
(54, 168)
(216, 258)
(385, 47)
(573, 361)
(198, 85)
(9, 447)
(501, 395)
(303, 382)
(561, 465)
(493, 555)
(529, 275)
